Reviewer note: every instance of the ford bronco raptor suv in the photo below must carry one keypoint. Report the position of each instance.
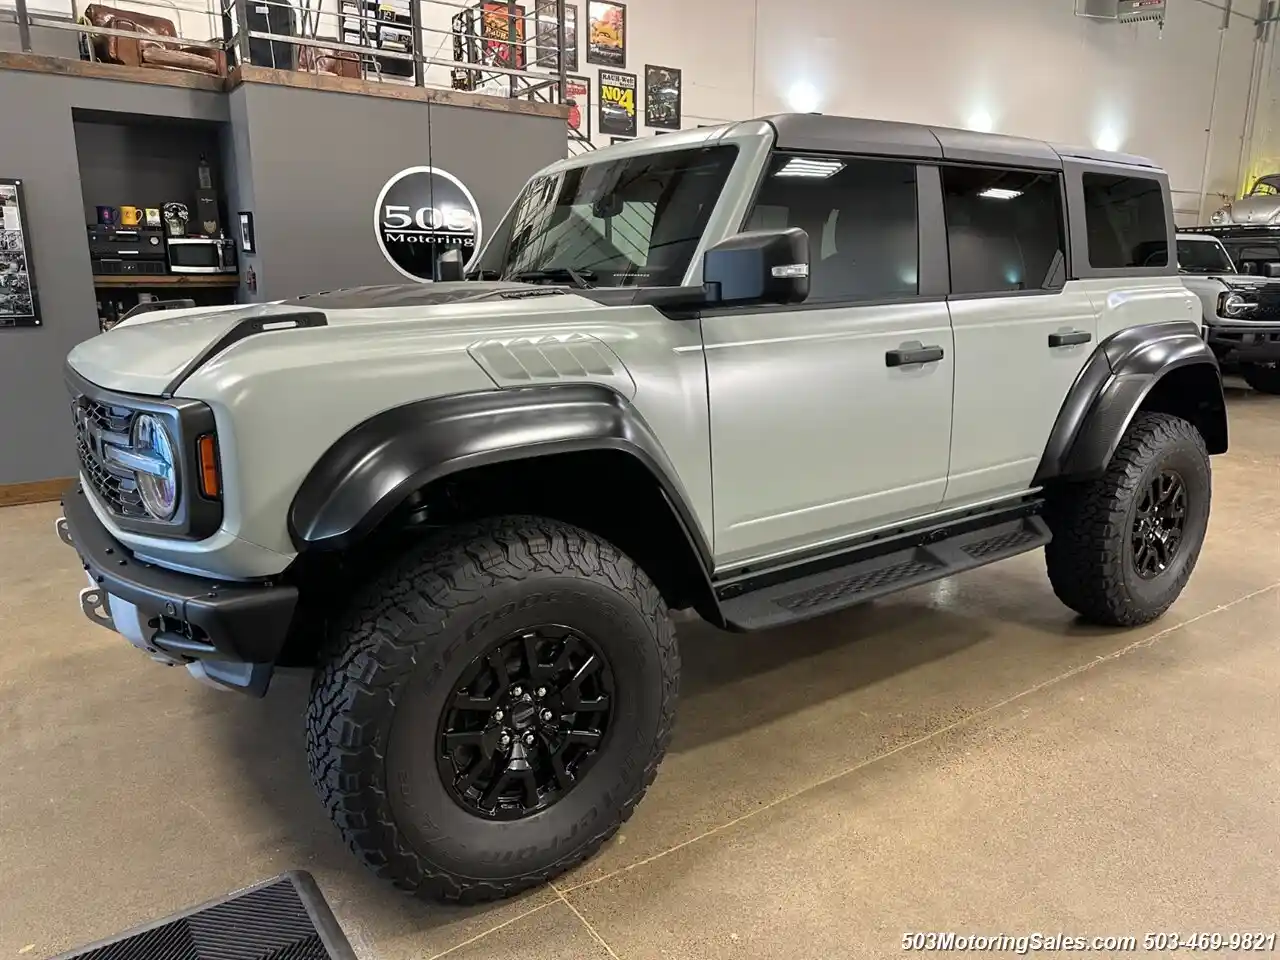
(763, 371)
(1241, 312)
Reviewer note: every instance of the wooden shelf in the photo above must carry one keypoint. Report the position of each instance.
(168, 280)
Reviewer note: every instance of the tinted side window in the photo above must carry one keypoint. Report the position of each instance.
(1004, 229)
(861, 219)
(1126, 221)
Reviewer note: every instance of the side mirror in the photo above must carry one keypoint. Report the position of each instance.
(759, 266)
(1273, 269)
(451, 266)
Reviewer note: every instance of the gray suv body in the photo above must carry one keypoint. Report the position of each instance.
(764, 371)
(1241, 312)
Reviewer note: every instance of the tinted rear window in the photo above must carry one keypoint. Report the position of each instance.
(1126, 221)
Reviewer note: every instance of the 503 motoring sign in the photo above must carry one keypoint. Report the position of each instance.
(618, 103)
(422, 212)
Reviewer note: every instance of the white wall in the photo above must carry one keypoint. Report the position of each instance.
(1030, 68)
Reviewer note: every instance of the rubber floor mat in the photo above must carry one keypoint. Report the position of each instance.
(285, 918)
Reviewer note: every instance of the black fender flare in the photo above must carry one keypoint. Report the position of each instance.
(374, 467)
(1111, 388)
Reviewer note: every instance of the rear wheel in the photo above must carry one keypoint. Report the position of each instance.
(1263, 378)
(1124, 545)
(494, 709)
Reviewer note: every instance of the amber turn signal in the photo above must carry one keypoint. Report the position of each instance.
(207, 453)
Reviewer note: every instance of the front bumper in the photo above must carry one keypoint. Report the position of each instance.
(227, 633)
(1234, 343)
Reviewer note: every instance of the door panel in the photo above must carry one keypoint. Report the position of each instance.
(813, 436)
(1010, 384)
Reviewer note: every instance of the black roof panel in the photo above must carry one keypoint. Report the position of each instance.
(885, 138)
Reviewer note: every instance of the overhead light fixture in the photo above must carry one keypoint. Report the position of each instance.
(981, 121)
(803, 97)
(1107, 140)
(804, 167)
(1000, 193)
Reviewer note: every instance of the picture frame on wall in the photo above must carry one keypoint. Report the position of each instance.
(663, 92)
(577, 95)
(19, 296)
(502, 34)
(606, 33)
(616, 99)
(547, 36)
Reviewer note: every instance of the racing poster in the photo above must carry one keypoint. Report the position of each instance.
(19, 306)
(661, 97)
(618, 103)
(502, 34)
(607, 33)
(577, 94)
(548, 36)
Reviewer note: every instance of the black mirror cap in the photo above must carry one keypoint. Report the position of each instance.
(758, 266)
(451, 266)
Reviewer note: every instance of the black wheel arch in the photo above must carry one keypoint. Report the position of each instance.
(1162, 367)
(376, 467)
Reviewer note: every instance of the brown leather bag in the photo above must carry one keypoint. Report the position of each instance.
(148, 49)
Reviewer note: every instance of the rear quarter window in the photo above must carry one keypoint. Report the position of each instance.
(1126, 221)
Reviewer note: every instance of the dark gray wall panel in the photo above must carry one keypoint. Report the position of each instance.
(319, 160)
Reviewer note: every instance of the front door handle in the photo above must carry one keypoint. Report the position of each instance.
(905, 356)
(1069, 339)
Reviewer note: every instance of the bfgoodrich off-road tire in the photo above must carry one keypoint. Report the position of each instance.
(1092, 559)
(383, 698)
(1264, 379)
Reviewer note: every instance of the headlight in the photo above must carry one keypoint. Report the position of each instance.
(158, 473)
(1234, 305)
(1219, 217)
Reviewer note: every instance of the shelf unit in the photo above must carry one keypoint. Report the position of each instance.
(392, 31)
(142, 282)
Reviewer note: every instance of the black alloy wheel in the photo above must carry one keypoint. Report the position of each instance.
(1159, 522)
(525, 722)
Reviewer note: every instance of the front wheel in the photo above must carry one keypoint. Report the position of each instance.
(494, 709)
(1264, 379)
(1124, 545)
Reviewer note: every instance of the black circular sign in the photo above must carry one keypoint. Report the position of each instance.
(422, 212)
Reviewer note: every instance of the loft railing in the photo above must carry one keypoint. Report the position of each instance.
(484, 47)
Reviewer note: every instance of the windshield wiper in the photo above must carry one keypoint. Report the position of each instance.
(579, 278)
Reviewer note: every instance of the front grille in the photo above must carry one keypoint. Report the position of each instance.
(97, 424)
(1268, 306)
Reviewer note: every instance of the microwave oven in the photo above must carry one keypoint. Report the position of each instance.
(201, 255)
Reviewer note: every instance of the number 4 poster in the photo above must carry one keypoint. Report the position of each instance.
(618, 103)
(19, 306)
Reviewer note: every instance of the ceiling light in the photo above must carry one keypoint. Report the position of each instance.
(1000, 193)
(803, 167)
(981, 121)
(1107, 140)
(803, 97)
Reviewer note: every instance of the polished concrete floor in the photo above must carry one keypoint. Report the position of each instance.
(962, 757)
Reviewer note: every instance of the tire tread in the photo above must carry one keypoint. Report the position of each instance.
(370, 655)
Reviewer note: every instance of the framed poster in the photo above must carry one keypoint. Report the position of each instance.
(618, 103)
(19, 300)
(502, 34)
(577, 94)
(606, 33)
(547, 37)
(662, 97)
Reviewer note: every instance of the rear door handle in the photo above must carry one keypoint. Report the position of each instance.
(1069, 339)
(905, 356)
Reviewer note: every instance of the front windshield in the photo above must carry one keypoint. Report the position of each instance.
(1266, 187)
(1203, 256)
(634, 221)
